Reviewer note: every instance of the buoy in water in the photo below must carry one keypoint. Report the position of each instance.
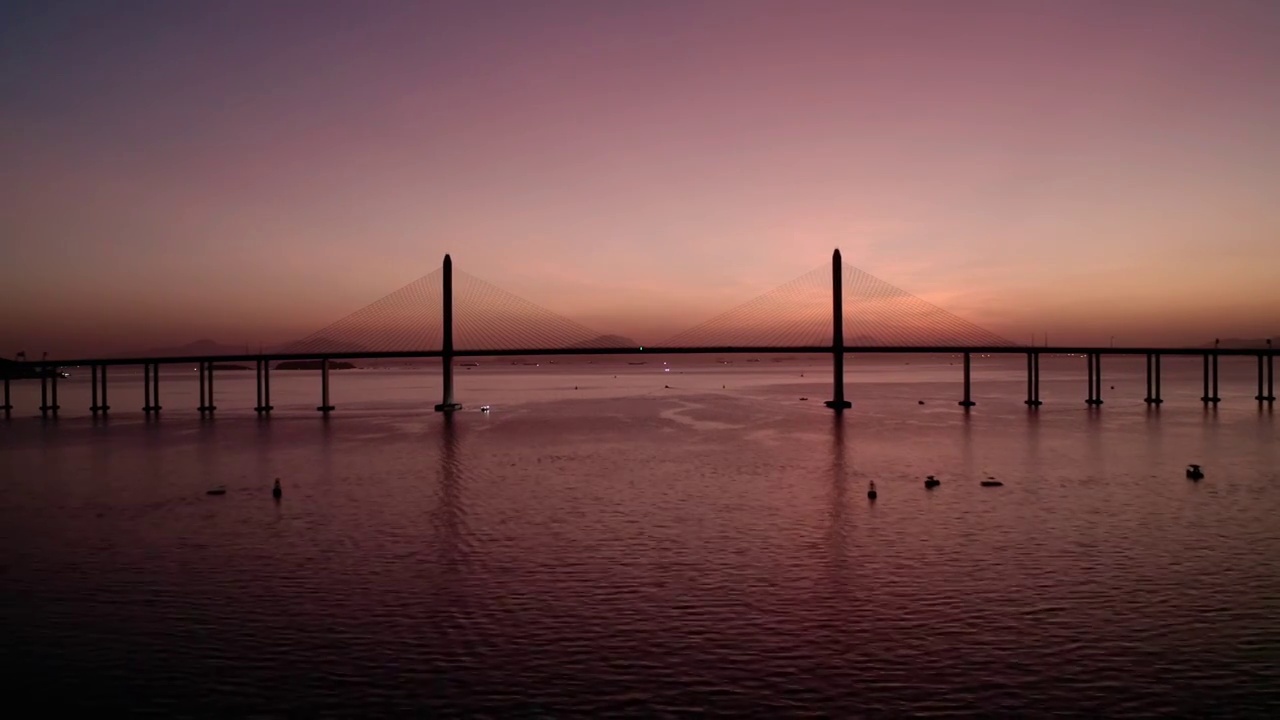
(276, 492)
(871, 491)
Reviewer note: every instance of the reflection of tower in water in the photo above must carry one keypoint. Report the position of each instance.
(449, 517)
(838, 531)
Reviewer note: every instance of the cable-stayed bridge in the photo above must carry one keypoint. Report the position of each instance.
(449, 314)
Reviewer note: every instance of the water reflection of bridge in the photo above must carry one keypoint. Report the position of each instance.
(838, 312)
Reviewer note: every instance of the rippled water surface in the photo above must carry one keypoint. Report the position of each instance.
(609, 545)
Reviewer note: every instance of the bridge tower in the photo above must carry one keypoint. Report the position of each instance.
(837, 403)
(446, 355)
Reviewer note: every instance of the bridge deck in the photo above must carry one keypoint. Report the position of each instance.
(758, 350)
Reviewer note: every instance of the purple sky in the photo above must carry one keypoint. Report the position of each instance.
(253, 170)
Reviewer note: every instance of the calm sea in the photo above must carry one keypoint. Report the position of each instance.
(687, 540)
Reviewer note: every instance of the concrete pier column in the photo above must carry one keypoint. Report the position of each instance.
(837, 401)
(53, 392)
(155, 387)
(1091, 399)
(324, 407)
(1031, 394)
(208, 368)
(1215, 398)
(1261, 378)
(103, 405)
(1150, 386)
(146, 388)
(1033, 379)
(266, 385)
(1205, 397)
(967, 402)
(204, 393)
(1097, 378)
(44, 391)
(7, 407)
(1159, 395)
(1153, 379)
(93, 389)
(446, 355)
(1035, 366)
(1271, 377)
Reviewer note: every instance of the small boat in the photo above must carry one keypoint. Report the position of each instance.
(931, 482)
(871, 491)
(484, 408)
(1194, 472)
(216, 491)
(992, 483)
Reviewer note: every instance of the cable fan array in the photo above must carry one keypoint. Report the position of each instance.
(485, 317)
(795, 314)
(799, 314)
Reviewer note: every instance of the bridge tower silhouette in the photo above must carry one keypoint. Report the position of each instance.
(837, 401)
(447, 403)
(450, 314)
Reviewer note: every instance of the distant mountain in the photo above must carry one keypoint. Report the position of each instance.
(319, 345)
(199, 348)
(604, 341)
(1243, 343)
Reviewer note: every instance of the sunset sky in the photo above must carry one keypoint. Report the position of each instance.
(252, 171)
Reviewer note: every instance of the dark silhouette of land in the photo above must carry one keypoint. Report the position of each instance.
(313, 365)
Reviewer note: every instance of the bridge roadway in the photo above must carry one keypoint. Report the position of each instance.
(647, 350)
(151, 369)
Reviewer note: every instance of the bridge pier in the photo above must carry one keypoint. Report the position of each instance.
(206, 387)
(98, 397)
(48, 392)
(1270, 397)
(1033, 380)
(967, 402)
(324, 407)
(151, 388)
(263, 377)
(1095, 378)
(1210, 361)
(1153, 380)
(1267, 370)
(8, 402)
(837, 401)
(446, 355)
